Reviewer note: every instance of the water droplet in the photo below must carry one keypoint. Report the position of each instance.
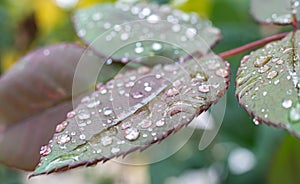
(115, 150)
(82, 137)
(153, 19)
(129, 84)
(272, 75)
(276, 82)
(256, 121)
(146, 124)
(46, 52)
(81, 33)
(264, 93)
(135, 10)
(93, 104)
(45, 150)
(71, 114)
(287, 104)
(176, 28)
(106, 25)
(294, 114)
(97, 16)
(204, 88)
(61, 127)
(107, 111)
(137, 95)
(109, 61)
(264, 69)
(126, 125)
(139, 50)
(124, 36)
(117, 28)
(172, 92)
(62, 139)
(131, 134)
(84, 115)
(146, 12)
(148, 88)
(222, 72)
(156, 46)
(106, 140)
(160, 123)
(262, 60)
(191, 33)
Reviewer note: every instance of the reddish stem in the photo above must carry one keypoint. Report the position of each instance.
(252, 45)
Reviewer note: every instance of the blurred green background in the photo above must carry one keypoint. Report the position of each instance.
(241, 153)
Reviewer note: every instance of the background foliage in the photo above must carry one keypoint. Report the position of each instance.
(27, 24)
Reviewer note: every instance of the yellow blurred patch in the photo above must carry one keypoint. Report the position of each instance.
(48, 14)
(8, 59)
(86, 3)
(202, 7)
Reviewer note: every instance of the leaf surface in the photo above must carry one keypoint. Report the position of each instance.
(35, 95)
(275, 11)
(138, 30)
(267, 84)
(136, 109)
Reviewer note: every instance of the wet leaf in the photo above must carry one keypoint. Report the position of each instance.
(138, 30)
(35, 95)
(267, 84)
(136, 109)
(275, 11)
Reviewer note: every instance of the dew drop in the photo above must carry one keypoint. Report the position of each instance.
(264, 69)
(63, 139)
(156, 46)
(176, 28)
(126, 125)
(287, 104)
(294, 114)
(146, 124)
(84, 115)
(61, 127)
(45, 150)
(115, 150)
(152, 19)
(107, 111)
(139, 50)
(148, 88)
(160, 123)
(146, 12)
(82, 137)
(256, 121)
(276, 82)
(272, 75)
(172, 92)
(190, 33)
(264, 93)
(93, 104)
(71, 114)
(106, 140)
(124, 36)
(97, 16)
(131, 134)
(46, 52)
(81, 33)
(137, 95)
(204, 88)
(222, 72)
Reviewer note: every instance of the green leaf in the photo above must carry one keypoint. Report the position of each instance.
(267, 84)
(141, 30)
(36, 94)
(275, 11)
(285, 165)
(136, 109)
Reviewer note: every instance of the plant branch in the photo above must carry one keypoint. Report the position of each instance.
(252, 45)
